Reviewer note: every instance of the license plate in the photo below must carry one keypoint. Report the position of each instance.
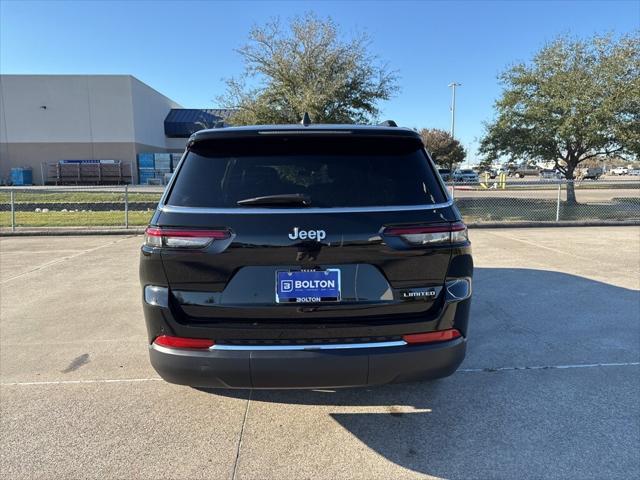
(308, 286)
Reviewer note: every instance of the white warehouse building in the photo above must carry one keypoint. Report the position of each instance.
(52, 118)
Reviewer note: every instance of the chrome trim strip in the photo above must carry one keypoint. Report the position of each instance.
(271, 211)
(334, 346)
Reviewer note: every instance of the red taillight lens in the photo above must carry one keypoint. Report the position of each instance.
(440, 234)
(182, 238)
(431, 337)
(181, 342)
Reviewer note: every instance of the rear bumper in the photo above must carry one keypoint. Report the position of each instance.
(348, 367)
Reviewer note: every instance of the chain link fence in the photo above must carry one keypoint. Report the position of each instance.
(522, 201)
(113, 207)
(512, 202)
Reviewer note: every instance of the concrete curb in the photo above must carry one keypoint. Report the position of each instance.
(140, 230)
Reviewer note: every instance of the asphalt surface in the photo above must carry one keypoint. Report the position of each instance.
(549, 388)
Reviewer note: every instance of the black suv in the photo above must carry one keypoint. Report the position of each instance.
(305, 256)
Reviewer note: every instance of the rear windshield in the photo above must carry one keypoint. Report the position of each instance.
(329, 172)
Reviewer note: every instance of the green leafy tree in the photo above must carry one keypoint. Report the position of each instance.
(577, 100)
(485, 164)
(307, 67)
(445, 150)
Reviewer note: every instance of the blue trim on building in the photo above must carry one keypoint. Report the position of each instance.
(183, 122)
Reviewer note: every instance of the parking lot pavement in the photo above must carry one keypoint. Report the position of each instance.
(20, 257)
(549, 388)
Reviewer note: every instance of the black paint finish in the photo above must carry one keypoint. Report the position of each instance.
(226, 292)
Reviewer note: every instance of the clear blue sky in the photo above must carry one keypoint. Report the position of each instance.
(185, 49)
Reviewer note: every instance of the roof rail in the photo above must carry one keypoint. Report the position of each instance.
(388, 123)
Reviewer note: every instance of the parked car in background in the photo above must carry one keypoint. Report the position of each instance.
(591, 173)
(503, 169)
(525, 170)
(465, 175)
(549, 174)
(619, 171)
(445, 173)
(489, 171)
(634, 172)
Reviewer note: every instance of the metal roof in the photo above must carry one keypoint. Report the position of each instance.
(183, 122)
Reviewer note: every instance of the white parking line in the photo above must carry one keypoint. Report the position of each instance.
(461, 370)
(76, 382)
(136, 341)
(59, 260)
(539, 245)
(606, 265)
(48, 252)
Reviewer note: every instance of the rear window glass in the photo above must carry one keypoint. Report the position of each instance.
(330, 172)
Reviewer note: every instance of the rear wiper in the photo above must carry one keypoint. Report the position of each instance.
(278, 200)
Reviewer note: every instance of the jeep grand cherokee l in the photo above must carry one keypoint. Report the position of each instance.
(305, 256)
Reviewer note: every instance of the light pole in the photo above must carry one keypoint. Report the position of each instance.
(453, 86)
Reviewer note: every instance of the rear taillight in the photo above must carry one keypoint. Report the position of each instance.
(181, 342)
(182, 238)
(440, 234)
(432, 337)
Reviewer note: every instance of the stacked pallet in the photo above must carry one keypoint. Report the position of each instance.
(87, 172)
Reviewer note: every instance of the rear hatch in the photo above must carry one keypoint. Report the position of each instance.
(312, 226)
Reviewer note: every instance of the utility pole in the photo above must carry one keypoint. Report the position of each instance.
(453, 86)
